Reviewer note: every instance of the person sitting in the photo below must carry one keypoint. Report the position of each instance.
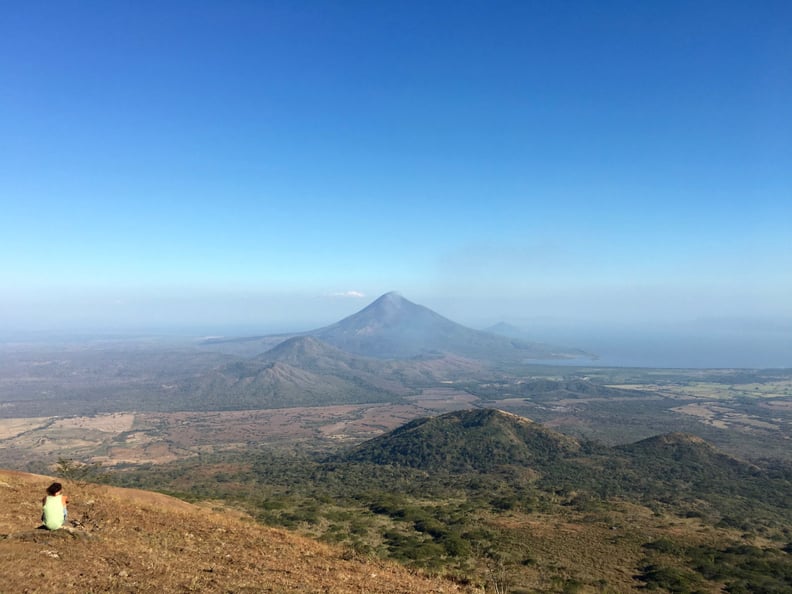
(55, 511)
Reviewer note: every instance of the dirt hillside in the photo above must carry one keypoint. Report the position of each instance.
(124, 540)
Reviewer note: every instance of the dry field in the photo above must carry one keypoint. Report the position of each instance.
(10, 428)
(137, 438)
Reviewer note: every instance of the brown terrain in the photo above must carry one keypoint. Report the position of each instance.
(124, 540)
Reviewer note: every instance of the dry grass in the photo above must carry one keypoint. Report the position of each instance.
(584, 553)
(10, 428)
(136, 541)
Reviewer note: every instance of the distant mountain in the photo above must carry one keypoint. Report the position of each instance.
(304, 371)
(273, 385)
(301, 371)
(307, 352)
(481, 440)
(393, 327)
(382, 353)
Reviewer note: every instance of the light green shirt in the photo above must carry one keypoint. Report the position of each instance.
(53, 512)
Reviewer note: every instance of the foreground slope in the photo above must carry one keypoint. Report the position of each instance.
(137, 541)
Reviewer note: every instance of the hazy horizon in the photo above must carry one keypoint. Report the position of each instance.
(613, 167)
(709, 342)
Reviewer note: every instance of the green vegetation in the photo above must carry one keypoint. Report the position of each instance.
(462, 494)
(742, 568)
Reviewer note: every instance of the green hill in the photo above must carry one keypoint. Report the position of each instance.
(481, 440)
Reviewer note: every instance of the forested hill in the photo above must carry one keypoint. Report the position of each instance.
(462, 441)
(673, 467)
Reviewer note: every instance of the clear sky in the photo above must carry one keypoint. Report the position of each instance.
(280, 164)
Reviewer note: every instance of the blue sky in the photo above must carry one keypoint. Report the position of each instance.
(281, 164)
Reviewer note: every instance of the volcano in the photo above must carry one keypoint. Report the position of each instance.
(393, 327)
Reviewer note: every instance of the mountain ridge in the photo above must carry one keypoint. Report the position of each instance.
(287, 379)
(490, 440)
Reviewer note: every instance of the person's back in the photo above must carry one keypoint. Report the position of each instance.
(54, 514)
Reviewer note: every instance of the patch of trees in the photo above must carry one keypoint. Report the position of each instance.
(743, 568)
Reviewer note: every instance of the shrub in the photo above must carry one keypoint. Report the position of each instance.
(671, 579)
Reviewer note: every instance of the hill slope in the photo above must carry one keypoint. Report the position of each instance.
(136, 541)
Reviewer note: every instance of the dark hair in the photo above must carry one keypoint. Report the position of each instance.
(54, 488)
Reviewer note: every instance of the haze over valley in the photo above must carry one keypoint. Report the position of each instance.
(390, 362)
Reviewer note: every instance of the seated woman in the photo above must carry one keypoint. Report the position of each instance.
(55, 512)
